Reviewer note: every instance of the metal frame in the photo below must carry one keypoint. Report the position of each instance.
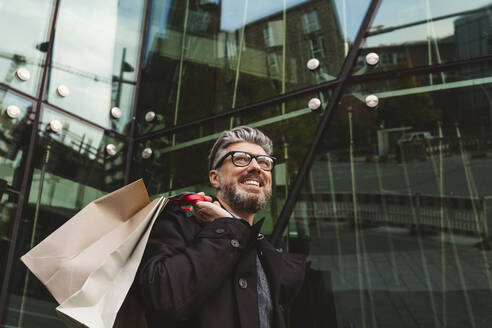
(143, 39)
(65, 112)
(39, 103)
(28, 169)
(235, 111)
(16, 92)
(283, 219)
(82, 120)
(436, 68)
(10, 190)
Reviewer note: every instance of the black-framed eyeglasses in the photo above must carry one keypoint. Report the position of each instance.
(242, 159)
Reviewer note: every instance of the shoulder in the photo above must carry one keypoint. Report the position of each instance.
(174, 221)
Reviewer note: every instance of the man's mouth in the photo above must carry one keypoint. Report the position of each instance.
(251, 181)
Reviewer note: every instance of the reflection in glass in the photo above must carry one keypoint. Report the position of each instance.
(71, 168)
(23, 42)
(14, 136)
(183, 166)
(396, 209)
(410, 34)
(210, 56)
(94, 55)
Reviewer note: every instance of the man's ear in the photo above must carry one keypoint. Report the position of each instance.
(213, 176)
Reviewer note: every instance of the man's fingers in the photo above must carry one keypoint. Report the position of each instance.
(207, 198)
(207, 211)
(199, 214)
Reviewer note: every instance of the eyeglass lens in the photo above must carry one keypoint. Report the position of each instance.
(243, 159)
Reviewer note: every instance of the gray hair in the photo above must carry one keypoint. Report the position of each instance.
(238, 134)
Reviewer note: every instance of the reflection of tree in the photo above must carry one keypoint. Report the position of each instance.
(14, 137)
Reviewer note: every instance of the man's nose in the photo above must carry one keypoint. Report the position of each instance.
(254, 165)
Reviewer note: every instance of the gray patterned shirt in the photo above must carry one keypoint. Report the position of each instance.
(264, 298)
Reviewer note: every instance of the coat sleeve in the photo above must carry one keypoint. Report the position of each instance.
(176, 275)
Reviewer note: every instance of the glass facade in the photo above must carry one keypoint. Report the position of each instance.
(380, 112)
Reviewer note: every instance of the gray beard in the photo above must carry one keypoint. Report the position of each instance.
(241, 200)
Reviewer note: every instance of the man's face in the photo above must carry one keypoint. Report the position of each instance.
(246, 189)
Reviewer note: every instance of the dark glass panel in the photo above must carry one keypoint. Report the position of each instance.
(409, 34)
(182, 165)
(205, 57)
(8, 206)
(16, 115)
(94, 56)
(395, 211)
(71, 169)
(25, 25)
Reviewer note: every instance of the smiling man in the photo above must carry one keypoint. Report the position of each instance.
(211, 267)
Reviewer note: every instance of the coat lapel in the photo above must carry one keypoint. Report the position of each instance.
(272, 264)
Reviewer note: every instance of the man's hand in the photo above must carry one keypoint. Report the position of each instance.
(208, 211)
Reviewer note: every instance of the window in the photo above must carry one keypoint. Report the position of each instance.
(268, 34)
(310, 22)
(316, 47)
(273, 33)
(273, 63)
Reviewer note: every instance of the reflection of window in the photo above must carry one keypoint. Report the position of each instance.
(273, 62)
(390, 58)
(209, 2)
(273, 33)
(198, 21)
(393, 58)
(268, 34)
(310, 22)
(316, 47)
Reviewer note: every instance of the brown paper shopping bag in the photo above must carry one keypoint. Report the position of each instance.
(89, 263)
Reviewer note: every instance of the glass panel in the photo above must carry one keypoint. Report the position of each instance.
(209, 56)
(72, 168)
(395, 212)
(15, 131)
(94, 57)
(25, 25)
(409, 34)
(183, 165)
(8, 206)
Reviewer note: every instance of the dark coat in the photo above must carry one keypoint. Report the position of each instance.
(204, 275)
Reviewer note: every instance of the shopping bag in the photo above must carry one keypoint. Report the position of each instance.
(90, 262)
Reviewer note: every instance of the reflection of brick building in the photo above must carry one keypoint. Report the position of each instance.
(213, 57)
(312, 31)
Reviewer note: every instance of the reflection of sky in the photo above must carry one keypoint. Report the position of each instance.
(90, 38)
(21, 21)
(232, 14)
(399, 12)
(24, 24)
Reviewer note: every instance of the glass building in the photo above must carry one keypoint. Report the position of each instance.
(381, 117)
